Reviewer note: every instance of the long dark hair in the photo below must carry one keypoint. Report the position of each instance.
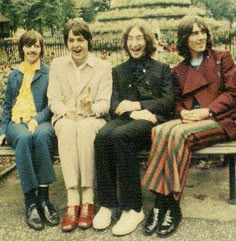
(147, 33)
(184, 31)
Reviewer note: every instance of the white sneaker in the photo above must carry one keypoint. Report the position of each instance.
(102, 219)
(128, 222)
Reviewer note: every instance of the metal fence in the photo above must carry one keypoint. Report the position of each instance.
(106, 49)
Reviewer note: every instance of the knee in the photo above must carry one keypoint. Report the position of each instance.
(177, 133)
(102, 138)
(42, 137)
(118, 136)
(65, 129)
(25, 138)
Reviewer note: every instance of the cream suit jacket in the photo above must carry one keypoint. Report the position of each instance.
(64, 89)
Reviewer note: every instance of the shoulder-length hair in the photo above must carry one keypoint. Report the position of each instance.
(29, 38)
(147, 33)
(78, 27)
(184, 31)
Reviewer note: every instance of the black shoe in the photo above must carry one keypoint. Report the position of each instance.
(153, 221)
(49, 213)
(171, 222)
(33, 218)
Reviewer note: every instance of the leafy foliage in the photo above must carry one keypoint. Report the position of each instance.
(8, 9)
(220, 9)
(40, 15)
(4, 72)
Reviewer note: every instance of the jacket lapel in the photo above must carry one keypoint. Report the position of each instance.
(39, 72)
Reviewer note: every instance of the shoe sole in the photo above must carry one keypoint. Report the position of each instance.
(84, 227)
(120, 235)
(170, 234)
(34, 228)
(68, 230)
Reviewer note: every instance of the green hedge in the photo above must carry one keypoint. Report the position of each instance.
(113, 29)
(170, 12)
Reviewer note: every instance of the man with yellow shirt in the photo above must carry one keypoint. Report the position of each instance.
(26, 127)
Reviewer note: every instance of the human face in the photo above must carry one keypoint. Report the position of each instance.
(136, 43)
(78, 46)
(197, 41)
(32, 52)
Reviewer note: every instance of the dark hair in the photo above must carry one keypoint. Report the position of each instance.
(29, 38)
(184, 31)
(78, 27)
(147, 33)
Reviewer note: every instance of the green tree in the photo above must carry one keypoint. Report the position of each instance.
(220, 9)
(86, 9)
(8, 9)
(41, 15)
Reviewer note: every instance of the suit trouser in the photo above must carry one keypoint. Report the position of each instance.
(170, 155)
(34, 153)
(117, 167)
(76, 149)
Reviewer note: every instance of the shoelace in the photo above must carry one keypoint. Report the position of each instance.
(167, 219)
(155, 219)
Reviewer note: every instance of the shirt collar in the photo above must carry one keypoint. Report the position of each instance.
(26, 67)
(89, 62)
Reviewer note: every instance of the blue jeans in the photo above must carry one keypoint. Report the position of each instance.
(34, 153)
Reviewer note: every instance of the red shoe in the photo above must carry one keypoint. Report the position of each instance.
(86, 215)
(70, 219)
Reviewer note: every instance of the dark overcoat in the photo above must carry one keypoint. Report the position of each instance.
(213, 85)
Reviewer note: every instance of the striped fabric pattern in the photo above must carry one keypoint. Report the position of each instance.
(170, 155)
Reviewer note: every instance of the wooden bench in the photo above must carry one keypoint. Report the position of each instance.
(227, 149)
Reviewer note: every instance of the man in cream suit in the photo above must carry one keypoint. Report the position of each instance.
(79, 92)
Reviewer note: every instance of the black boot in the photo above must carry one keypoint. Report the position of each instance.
(33, 218)
(155, 216)
(47, 211)
(171, 220)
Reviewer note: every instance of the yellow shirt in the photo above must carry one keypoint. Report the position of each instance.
(24, 108)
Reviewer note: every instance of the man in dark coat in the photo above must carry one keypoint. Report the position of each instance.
(142, 98)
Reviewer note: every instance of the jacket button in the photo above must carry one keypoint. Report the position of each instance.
(130, 85)
(218, 62)
(218, 74)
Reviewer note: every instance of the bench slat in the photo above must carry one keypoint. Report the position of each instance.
(220, 148)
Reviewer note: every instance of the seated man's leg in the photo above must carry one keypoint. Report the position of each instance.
(87, 129)
(44, 138)
(22, 141)
(126, 140)
(106, 178)
(66, 133)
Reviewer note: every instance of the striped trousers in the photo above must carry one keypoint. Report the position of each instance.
(170, 155)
